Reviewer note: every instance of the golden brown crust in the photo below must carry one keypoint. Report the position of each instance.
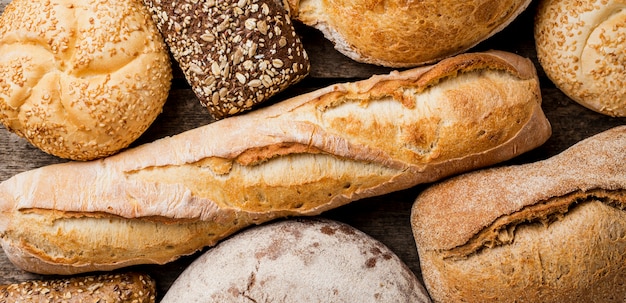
(406, 33)
(580, 45)
(104, 288)
(65, 70)
(539, 231)
(310, 154)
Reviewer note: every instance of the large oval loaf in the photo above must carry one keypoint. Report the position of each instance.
(399, 33)
(310, 260)
(549, 231)
(303, 156)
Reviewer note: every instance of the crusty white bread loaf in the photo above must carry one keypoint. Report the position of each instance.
(234, 54)
(307, 260)
(399, 33)
(548, 231)
(581, 45)
(131, 287)
(302, 156)
(78, 80)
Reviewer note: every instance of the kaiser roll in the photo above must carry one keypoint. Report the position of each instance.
(81, 79)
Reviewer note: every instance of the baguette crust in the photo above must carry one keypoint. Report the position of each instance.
(302, 156)
(539, 232)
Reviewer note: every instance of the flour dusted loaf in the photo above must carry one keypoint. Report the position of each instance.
(581, 45)
(400, 33)
(549, 231)
(128, 287)
(234, 54)
(79, 79)
(301, 156)
(308, 260)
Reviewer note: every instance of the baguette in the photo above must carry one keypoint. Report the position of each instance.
(549, 231)
(103, 288)
(300, 157)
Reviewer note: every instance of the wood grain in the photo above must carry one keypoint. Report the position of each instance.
(386, 218)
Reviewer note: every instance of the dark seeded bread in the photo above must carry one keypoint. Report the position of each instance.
(234, 54)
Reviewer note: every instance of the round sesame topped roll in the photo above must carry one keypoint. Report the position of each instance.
(581, 45)
(79, 79)
(234, 54)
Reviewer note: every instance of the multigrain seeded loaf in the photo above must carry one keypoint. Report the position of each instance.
(79, 80)
(234, 54)
(301, 156)
(306, 260)
(549, 231)
(129, 287)
(398, 33)
(581, 45)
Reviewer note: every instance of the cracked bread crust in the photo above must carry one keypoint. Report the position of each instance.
(234, 54)
(540, 231)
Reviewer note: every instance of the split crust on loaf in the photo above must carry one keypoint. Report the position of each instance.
(406, 33)
(303, 156)
(549, 231)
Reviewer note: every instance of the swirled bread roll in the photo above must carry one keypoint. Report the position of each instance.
(79, 80)
(581, 45)
(302, 156)
(399, 33)
(548, 231)
(306, 260)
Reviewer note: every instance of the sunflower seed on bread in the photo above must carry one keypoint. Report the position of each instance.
(234, 54)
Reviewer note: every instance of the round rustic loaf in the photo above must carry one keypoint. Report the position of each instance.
(80, 79)
(581, 45)
(305, 260)
(398, 33)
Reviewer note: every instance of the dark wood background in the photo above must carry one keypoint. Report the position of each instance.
(385, 218)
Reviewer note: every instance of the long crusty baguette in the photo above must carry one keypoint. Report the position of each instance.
(129, 287)
(549, 231)
(305, 155)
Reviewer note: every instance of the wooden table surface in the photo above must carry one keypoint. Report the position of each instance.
(385, 218)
